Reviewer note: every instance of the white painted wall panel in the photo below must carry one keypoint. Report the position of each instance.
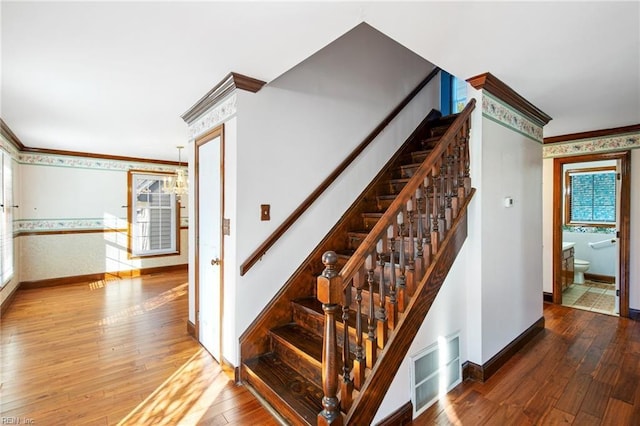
(511, 247)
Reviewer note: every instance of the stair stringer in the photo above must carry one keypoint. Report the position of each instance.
(389, 360)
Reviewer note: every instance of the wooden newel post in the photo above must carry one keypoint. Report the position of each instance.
(329, 290)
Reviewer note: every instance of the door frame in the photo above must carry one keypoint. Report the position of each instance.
(203, 139)
(623, 229)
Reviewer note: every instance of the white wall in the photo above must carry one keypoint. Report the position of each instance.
(602, 259)
(296, 130)
(70, 194)
(511, 238)
(446, 317)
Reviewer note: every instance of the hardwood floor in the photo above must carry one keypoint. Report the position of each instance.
(117, 352)
(114, 352)
(583, 369)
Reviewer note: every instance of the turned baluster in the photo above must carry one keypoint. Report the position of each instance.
(455, 163)
(435, 232)
(346, 388)
(427, 217)
(442, 225)
(371, 344)
(402, 279)
(392, 309)
(381, 315)
(448, 164)
(467, 159)
(359, 361)
(461, 162)
(419, 262)
(329, 292)
(412, 248)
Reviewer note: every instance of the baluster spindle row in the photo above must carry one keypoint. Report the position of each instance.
(412, 238)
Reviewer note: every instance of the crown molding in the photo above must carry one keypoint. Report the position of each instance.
(6, 132)
(230, 83)
(495, 86)
(593, 134)
(10, 136)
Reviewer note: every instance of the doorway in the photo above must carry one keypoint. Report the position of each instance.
(619, 235)
(209, 210)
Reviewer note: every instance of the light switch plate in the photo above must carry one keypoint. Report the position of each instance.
(265, 212)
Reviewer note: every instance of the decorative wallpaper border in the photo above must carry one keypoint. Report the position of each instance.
(498, 111)
(214, 117)
(590, 146)
(70, 225)
(88, 163)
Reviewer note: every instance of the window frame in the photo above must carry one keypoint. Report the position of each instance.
(131, 223)
(448, 94)
(7, 255)
(568, 190)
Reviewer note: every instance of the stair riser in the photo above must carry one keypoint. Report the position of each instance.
(369, 222)
(394, 187)
(314, 322)
(307, 367)
(419, 157)
(275, 401)
(408, 171)
(384, 203)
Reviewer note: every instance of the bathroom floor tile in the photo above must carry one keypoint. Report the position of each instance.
(591, 296)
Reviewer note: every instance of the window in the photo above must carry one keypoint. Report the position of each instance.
(6, 221)
(591, 196)
(453, 94)
(153, 216)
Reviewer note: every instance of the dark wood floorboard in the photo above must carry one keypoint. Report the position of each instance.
(117, 352)
(114, 352)
(583, 369)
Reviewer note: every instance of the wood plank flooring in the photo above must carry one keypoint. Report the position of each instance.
(114, 352)
(117, 352)
(583, 369)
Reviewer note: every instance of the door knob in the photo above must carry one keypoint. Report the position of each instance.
(215, 261)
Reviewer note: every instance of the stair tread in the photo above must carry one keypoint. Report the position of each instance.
(410, 166)
(387, 197)
(345, 254)
(301, 338)
(300, 394)
(373, 214)
(399, 180)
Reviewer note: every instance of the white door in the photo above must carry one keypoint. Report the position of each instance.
(209, 243)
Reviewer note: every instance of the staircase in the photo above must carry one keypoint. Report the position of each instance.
(326, 348)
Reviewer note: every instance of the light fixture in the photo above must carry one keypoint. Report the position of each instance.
(177, 183)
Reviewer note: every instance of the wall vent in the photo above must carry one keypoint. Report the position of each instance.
(434, 372)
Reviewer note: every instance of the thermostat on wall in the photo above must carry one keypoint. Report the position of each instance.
(508, 201)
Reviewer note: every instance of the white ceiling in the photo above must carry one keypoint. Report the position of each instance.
(114, 77)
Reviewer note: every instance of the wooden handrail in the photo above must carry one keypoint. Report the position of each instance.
(289, 221)
(356, 260)
(428, 209)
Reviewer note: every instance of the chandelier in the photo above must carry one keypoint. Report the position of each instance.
(177, 183)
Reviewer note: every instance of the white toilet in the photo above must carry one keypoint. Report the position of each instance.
(579, 268)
